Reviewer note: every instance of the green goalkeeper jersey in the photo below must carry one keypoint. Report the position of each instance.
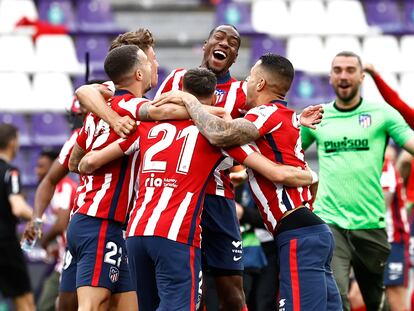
(351, 147)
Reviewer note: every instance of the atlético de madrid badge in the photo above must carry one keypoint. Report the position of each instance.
(113, 274)
(365, 120)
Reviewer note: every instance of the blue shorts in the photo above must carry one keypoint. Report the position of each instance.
(221, 242)
(98, 250)
(68, 276)
(165, 273)
(397, 266)
(306, 279)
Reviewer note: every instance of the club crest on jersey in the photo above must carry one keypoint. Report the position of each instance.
(113, 274)
(219, 95)
(365, 120)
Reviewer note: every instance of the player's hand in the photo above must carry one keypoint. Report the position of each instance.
(369, 68)
(172, 97)
(85, 166)
(105, 91)
(31, 232)
(311, 116)
(124, 126)
(239, 211)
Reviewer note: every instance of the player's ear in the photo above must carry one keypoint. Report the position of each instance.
(138, 75)
(261, 84)
(204, 45)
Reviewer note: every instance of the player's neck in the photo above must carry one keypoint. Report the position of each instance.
(267, 97)
(348, 105)
(134, 89)
(6, 155)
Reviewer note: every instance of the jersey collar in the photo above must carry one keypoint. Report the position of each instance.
(223, 79)
(120, 92)
(347, 110)
(278, 101)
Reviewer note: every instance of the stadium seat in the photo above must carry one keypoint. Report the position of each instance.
(265, 44)
(17, 92)
(16, 53)
(407, 89)
(336, 44)
(56, 53)
(26, 160)
(11, 11)
(57, 12)
(304, 23)
(370, 91)
(306, 53)
(308, 89)
(20, 121)
(264, 20)
(407, 52)
(384, 14)
(96, 45)
(408, 10)
(95, 16)
(383, 52)
(50, 129)
(346, 17)
(237, 14)
(51, 91)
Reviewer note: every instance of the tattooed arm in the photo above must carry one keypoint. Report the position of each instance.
(75, 157)
(220, 132)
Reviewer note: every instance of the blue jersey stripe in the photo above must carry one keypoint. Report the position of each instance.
(278, 155)
(118, 188)
(199, 201)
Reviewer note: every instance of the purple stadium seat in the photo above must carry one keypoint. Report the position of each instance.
(409, 15)
(25, 161)
(96, 45)
(58, 12)
(19, 121)
(308, 90)
(50, 129)
(385, 14)
(263, 44)
(95, 15)
(237, 14)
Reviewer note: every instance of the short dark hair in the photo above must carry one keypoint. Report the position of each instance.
(141, 37)
(7, 133)
(280, 68)
(120, 62)
(52, 154)
(350, 54)
(200, 82)
(229, 25)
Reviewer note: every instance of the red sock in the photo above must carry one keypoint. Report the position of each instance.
(359, 309)
(245, 308)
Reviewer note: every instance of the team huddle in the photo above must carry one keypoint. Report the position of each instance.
(155, 206)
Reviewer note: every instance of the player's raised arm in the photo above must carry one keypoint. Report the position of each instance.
(93, 100)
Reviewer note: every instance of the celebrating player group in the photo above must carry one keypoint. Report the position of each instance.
(155, 208)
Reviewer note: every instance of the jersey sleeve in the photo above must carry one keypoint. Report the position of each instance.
(307, 136)
(239, 153)
(82, 137)
(12, 181)
(396, 126)
(172, 82)
(66, 150)
(265, 118)
(109, 85)
(131, 107)
(130, 144)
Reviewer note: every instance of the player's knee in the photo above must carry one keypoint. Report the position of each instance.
(233, 302)
(25, 303)
(67, 302)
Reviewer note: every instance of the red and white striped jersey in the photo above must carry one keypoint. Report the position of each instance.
(397, 224)
(280, 142)
(176, 161)
(109, 192)
(66, 150)
(63, 198)
(231, 95)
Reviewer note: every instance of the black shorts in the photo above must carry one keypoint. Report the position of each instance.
(14, 278)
